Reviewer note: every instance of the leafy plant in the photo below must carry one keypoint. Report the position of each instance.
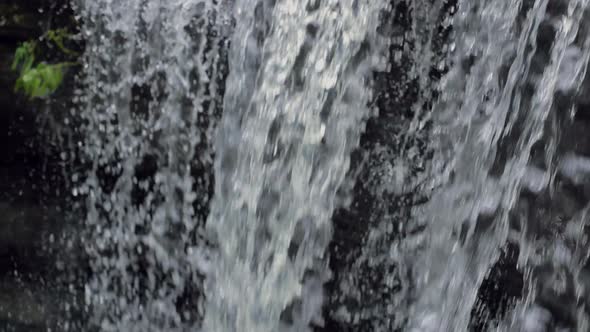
(41, 80)
(38, 80)
(58, 37)
(24, 56)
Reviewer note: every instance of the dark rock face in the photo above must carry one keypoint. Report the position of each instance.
(32, 187)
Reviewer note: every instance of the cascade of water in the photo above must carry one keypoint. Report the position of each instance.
(553, 239)
(295, 104)
(493, 108)
(151, 77)
(371, 278)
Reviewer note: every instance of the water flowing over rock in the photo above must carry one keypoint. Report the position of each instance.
(328, 165)
(152, 92)
(513, 68)
(295, 105)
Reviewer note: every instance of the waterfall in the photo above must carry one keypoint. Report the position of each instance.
(296, 99)
(222, 140)
(151, 77)
(493, 111)
(297, 96)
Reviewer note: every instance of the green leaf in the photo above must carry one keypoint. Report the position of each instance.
(40, 81)
(57, 37)
(24, 56)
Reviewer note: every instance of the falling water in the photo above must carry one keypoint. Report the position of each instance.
(152, 73)
(493, 112)
(218, 135)
(296, 100)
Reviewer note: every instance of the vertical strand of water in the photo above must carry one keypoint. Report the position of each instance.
(151, 74)
(296, 100)
(425, 20)
(373, 281)
(113, 94)
(472, 38)
(485, 98)
(555, 263)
